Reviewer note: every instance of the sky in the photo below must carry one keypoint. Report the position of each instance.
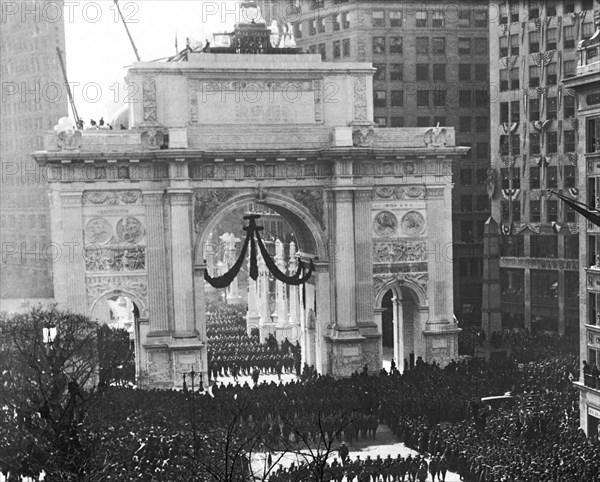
(98, 50)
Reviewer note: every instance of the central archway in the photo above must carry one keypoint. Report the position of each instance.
(310, 240)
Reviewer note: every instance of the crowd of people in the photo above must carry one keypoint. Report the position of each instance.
(232, 352)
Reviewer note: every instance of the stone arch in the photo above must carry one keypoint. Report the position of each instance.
(309, 233)
(396, 286)
(139, 302)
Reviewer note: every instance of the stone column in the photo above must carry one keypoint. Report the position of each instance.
(69, 275)
(263, 299)
(209, 254)
(252, 316)
(345, 272)
(363, 240)
(323, 315)
(398, 333)
(181, 253)
(156, 262)
(294, 317)
(280, 288)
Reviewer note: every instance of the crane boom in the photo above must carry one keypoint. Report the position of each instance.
(127, 30)
(72, 102)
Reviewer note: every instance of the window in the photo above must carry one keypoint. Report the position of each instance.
(503, 13)
(516, 211)
(512, 283)
(439, 98)
(482, 203)
(481, 72)
(464, 125)
(321, 25)
(505, 207)
(503, 79)
(592, 134)
(544, 284)
(378, 18)
(534, 76)
(466, 232)
(395, 19)
(483, 150)
(551, 38)
(503, 112)
(397, 98)
(378, 45)
(379, 98)
(481, 176)
(569, 145)
(569, 68)
(439, 45)
(588, 30)
(397, 121)
(298, 30)
(464, 98)
(421, 19)
(422, 71)
(534, 9)
(550, 8)
(551, 211)
(569, 106)
(534, 109)
(515, 111)
(569, 214)
(466, 204)
(569, 37)
(381, 72)
(514, 44)
(543, 246)
(422, 45)
(514, 79)
(337, 49)
(464, 17)
(396, 45)
(439, 120)
(503, 46)
(312, 49)
(380, 121)
(396, 72)
(534, 143)
(569, 6)
(323, 51)
(481, 18)
(481, 98)
(464, 45)
(312, 27)
(423, 122)
(345, 20)
(480, 46)
(346, 47)
(569, 176)
(466, 177)
(337, 25)
(534, 211)
(572, 250)
(422, 98)
(551, 74)
(464, 72)
(439, 72)
(551, 176)
(482, 123)
(438, 20)
(534, 42)
(534, 178)
(552, 142)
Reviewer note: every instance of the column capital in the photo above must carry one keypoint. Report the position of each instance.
(71, 198)
(344, 195)
(364, 195)
(154, 196)
(180, 197)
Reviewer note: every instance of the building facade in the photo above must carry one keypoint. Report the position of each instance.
(586, 84)
(432, 67)
(534, 129)
(33, 98)
(218, 131)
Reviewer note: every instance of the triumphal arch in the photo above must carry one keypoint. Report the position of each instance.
(132, 209)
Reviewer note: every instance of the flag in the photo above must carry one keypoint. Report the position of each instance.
(591, 214)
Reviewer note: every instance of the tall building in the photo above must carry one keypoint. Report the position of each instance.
(533, 144)
(33, 99)
(432, 67)
(586, 84)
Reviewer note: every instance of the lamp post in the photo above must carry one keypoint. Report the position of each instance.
(192, 374)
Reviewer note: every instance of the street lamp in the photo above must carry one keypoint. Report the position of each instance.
(192, 374)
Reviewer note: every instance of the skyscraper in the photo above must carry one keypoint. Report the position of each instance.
(33, 99)
(432, 67)
(534, 129)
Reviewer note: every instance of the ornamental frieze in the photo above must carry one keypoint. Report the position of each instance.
(400, 192)
(115, 259)
(396, 251)
(206, 203)
(360, 98)
(97, 286)
(111, 198)
(149, 99)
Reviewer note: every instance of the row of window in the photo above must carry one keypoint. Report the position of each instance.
(511, 111)
(510, 80)
(540, 246)
(533, 12)
(427, 46)
(433, 19)
(435, 72)
(427, 98)
(510, 177)
(544, 283)
(511, 145)
(511, 45)
(535, 211)
(474, 203)
(337, 21)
